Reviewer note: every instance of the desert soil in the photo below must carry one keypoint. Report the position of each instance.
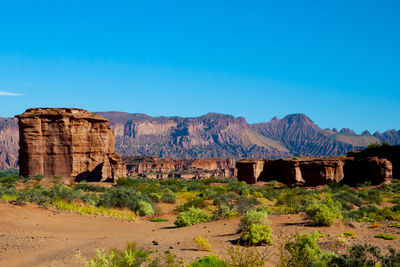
(34, 236)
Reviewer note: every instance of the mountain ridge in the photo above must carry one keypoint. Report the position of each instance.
(215, 135)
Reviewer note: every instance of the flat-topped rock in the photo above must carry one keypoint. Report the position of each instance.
(72, 143)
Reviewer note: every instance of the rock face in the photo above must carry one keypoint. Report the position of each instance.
(216, 136)
(156, 168)
(308, 171)
(72, 143)
(373, 169)
(391, 153)
(8, 143)
(250, 170)
(316, 171)
(210, 136)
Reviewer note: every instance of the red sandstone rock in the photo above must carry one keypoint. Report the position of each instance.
(391, 153)
(249, 170)
(73, 143)
(316, 171)
(373, 169)
(156, 168)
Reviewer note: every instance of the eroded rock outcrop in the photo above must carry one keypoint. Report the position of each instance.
(373, 169)
(249, 170)
(316, 171)
(156, 168)
(308, 171)
(391, 153)
(72, 143)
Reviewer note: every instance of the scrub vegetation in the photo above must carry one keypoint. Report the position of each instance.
(199, 201)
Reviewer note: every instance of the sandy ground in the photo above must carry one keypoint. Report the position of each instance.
(33, 236)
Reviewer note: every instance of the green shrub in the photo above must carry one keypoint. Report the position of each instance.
(264, 209)
(8, 181)
(367, 255)
(145, 208)
(304, 251)
(257, 234)
(191, 217)
(386, 236)
(372, 213)
(122, 197)
(325, 213)
(371, 195)
(243, 256)
(63, 192)
(91, 199)
(83, 185)
(224, 199)
(197, 202)
(37, 195)
(254, 217)
(225, 212)
(294, 200)
(155, 197)
(168, 197)
(347, 198)
(244, 203)
(209, 261)
(131, 256)
(358, 255)
(273, 182)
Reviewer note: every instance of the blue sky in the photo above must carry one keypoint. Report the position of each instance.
(336, 61)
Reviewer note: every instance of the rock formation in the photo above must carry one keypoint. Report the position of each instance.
(249, 170)
(8, 143)
(391, 153)
(72, 143)
(308, 171)
(216, 136)
(155, 168)
(373, 169)
(316, 171)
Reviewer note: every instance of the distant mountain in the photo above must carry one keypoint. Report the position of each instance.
(211, 135)
(9, 137)
(215, 135)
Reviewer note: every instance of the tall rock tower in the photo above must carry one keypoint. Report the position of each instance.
(73, 143)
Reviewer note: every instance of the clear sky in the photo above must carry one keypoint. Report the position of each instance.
(336, 61)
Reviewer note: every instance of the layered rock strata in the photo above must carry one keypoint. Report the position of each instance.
(156, 168)
(316, 171)
(68, 142)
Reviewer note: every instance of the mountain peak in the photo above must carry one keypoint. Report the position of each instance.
(366, 133)
(297, 117)
(347, 131)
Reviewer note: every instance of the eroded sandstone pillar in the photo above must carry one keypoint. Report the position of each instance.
(72, 143)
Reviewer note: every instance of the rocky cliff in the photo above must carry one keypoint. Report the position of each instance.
(9, 139)
(154, 167)
(209, 136)
(216, 135)
(72, 143)
(316, 171)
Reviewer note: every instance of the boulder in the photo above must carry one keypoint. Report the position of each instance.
(68, 142)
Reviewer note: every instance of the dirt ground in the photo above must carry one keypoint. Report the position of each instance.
(34, 236)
